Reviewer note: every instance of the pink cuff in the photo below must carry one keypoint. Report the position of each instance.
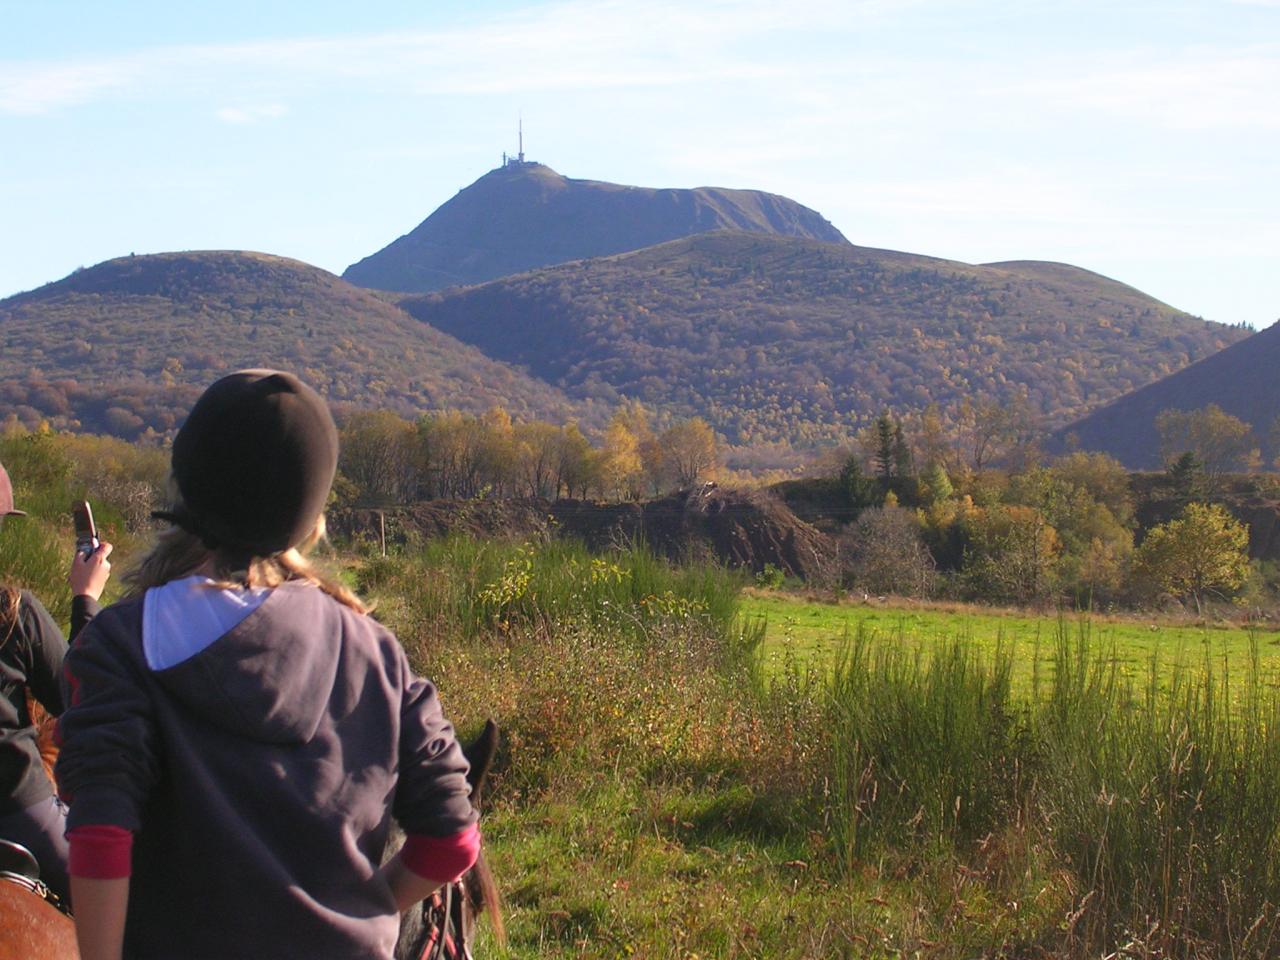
(442, 859)
(100, 852)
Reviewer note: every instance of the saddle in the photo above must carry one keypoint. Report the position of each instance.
(18, 865)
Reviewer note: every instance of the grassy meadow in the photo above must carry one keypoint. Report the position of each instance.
(682, 777)
(813, 632)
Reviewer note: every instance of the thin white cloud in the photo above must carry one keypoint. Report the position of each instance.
(27, 90)
(251, 114)
(579, 43)
(1197, 90)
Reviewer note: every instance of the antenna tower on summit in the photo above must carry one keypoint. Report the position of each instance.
(518, 159)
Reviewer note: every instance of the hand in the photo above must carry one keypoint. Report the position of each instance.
(89, 574)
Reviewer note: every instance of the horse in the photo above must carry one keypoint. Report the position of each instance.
(443, 925)
(30, 924)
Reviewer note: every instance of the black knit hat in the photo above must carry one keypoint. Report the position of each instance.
(254, 462)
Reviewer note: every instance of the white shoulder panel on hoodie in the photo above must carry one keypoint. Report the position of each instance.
(183, 617)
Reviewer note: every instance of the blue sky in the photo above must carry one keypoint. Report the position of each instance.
(1137, 139)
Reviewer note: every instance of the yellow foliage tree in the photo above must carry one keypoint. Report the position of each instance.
(1201, 553)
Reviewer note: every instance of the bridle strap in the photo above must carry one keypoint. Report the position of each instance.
(444, 914)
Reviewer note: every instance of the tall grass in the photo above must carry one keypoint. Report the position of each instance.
(460, 588)
(1161, 798)
(924, 746)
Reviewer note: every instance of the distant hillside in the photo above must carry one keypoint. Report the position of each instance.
(1241, 380)
(126, 345)
(526, 215)
(781, 338)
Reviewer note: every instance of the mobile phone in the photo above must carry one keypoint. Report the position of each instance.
(86, 533)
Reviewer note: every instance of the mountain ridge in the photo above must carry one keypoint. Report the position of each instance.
(774, 337)
(525, 215)
(141, 334)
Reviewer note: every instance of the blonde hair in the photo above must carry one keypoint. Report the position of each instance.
(178, 553)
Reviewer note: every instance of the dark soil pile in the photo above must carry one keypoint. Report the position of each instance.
(738, 528)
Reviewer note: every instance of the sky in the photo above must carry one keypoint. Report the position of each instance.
(1140, 140)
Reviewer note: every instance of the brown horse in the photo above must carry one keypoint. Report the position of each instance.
(30, 925)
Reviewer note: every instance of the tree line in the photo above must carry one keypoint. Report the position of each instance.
(983, 516)
(387, 459)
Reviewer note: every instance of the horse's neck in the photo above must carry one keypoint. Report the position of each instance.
(30, 927)
(45, 727)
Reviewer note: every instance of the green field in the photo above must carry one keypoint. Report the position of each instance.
(805, 631)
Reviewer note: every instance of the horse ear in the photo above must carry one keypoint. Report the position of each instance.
(480, 753)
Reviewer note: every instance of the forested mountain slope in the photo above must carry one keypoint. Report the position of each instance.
(1241, 379)
(526, 215)
(126, 345)
(778, 338)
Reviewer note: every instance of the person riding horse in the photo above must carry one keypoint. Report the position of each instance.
(31, 653)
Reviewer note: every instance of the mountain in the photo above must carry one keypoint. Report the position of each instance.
(126, 345)
(1240, 379)
(784, 339)
(525, 215)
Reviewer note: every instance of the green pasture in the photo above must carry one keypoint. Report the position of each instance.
(809, 632)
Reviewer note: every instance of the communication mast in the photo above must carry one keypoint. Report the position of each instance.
(518, 159)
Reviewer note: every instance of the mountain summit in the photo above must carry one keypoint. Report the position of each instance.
(525, 215)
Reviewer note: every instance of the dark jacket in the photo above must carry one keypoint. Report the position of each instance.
(30, 659)
(259, 776)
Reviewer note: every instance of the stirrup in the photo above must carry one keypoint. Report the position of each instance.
(17, 859)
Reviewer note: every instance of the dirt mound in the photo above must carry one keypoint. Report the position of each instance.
(738, 528)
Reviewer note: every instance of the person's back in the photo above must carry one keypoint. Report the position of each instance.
(241, 732)
(269, 803)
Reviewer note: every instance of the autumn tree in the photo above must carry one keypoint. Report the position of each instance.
(576, 462)
(496, 451)
(887, 554)
(1085, 498)
(1221, 442)
(453, 445)
(538, 457)
(380, 455)
(690, 448)
(1202, 553)
(1011, 554)
(986, 429)
(620, 471)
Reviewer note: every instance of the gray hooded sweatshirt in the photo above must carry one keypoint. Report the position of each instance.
(259, 776)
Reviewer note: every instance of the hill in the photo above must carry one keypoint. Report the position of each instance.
(124, 346)
(785, 339)
(525, 215)
(1240, 379)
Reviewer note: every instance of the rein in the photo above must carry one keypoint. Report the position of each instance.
(447, 915)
